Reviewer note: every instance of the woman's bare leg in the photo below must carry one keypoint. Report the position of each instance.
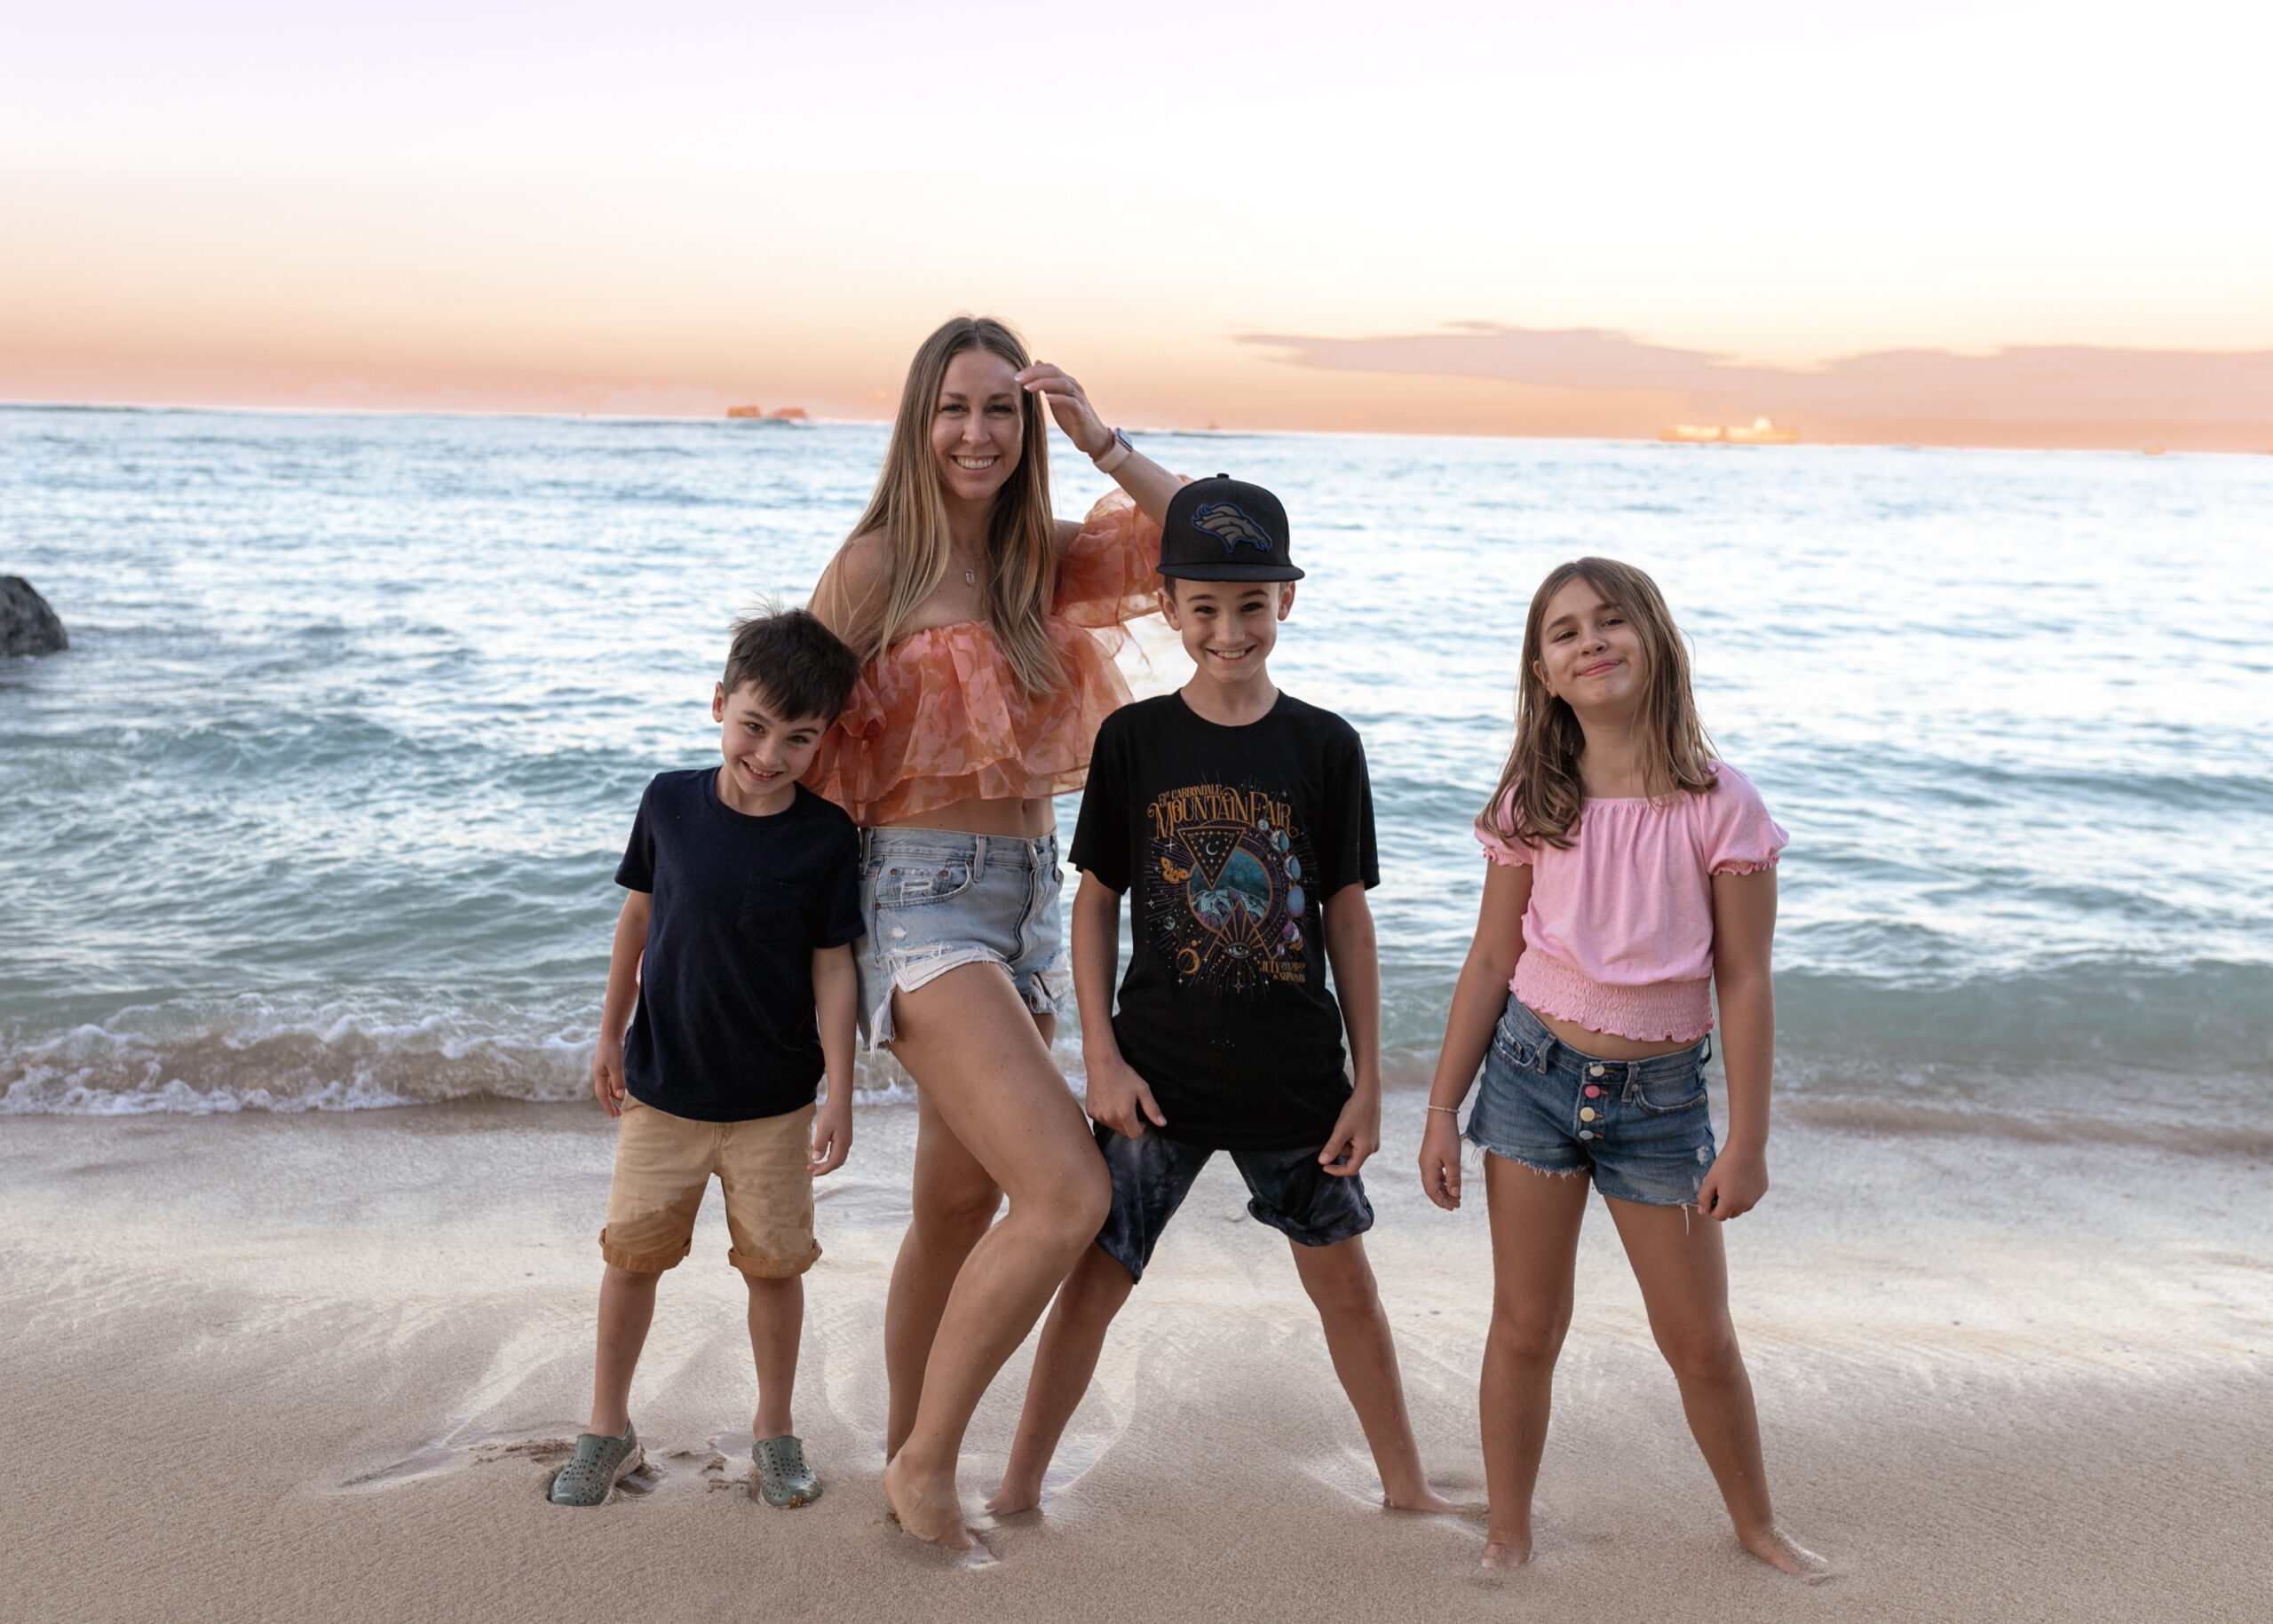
(977, 1055)
(954, 1203)
(1535, 1219)
(1683, 1273)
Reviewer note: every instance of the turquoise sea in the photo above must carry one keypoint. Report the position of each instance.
(320, 809)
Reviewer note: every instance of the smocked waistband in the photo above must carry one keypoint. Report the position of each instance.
(1679, 1063)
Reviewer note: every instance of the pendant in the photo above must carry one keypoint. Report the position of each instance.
(970, 578)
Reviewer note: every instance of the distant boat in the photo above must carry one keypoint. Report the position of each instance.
(2154, 450)
(1762, 431)
(780, 414)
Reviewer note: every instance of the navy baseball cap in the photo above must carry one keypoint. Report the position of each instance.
(1225, 529)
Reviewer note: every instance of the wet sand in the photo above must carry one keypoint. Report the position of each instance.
(271, 1367)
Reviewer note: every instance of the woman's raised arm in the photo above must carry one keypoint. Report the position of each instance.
(1144, 480)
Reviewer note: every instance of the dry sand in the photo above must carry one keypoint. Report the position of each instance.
(318, 1368)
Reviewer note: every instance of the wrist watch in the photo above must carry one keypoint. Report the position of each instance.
(1114, 455)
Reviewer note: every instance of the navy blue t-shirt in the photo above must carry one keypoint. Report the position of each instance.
(724, 1030)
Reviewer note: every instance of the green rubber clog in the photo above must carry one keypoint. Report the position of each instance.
(598, 1466)
(784, 1480)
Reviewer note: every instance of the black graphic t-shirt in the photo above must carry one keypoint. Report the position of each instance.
(1225, 841)
(724, 1029)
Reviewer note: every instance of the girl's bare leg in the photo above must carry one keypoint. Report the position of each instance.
(1535, 1219)
(1683, 1273)
(978, 1056)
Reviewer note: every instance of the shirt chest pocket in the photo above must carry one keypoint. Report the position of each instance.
(774, 913)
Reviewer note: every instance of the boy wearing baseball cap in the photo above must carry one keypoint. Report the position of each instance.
(1239, 822)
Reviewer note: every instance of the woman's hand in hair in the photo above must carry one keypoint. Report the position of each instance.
(1070, 407)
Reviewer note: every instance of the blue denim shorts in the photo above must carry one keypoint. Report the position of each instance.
(1288, 1190)
(935, 900)
(1640, 1127)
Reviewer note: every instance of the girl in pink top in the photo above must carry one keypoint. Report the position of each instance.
(1630, 876)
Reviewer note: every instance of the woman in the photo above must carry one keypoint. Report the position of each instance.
(977, 615)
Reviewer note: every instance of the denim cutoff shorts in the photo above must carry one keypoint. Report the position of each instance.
(1640, 1127)
(935, 900)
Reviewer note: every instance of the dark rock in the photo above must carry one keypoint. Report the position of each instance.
(27, 626)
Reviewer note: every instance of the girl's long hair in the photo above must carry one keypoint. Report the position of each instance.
(1542, 770)
(909, 510)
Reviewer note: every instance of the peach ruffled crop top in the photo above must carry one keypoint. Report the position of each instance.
(1618, 936)
(939, 717)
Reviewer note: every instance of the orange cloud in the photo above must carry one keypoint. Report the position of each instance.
(2046, 395)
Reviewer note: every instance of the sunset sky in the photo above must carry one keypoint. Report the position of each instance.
(1485, 219)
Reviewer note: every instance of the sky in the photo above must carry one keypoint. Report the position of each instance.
(1872, 221)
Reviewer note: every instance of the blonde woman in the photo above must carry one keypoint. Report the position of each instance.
(983, 624)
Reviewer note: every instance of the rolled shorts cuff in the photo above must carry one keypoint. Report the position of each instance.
(772, 1268)
(643, 1262)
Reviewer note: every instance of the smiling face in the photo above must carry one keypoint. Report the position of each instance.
(1590, 656)
(1229, 628)
(766, 754)
(975, 426)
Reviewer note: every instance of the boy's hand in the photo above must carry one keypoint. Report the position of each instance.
(607, 1075)
(1117, 1095)
(1440, 1161)
(832, 1133)
(1734, 1186)
(1357, 1134)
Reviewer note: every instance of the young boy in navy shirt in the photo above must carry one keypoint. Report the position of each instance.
(1239, 822)
(731, 992)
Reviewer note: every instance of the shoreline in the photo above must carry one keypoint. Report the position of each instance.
(316, 1367)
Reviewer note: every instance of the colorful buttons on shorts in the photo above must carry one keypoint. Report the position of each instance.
(1593, 1092)
(1586, 1114)
(1594, 1071)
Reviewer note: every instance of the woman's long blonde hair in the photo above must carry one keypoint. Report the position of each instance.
(1542, 769)
(909, 511)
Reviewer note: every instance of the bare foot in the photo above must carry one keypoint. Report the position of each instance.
(1781, 1551)
(1012, 1498)
(926, 1506)
(1428, 1501)
(1507, 1550)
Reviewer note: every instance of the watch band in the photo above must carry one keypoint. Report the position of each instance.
(1114, 455)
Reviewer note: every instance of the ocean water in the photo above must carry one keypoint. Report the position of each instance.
(322, 808)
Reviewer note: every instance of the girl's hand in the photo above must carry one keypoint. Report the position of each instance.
(1117, 1095)
(1734, 1185)
(607, 1075)
(832, 1134)
(1070, 407)
(1440, 1161)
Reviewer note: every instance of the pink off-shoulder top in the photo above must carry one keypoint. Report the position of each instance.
(1618, 936)
(938, 716)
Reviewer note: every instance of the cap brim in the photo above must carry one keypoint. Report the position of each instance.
(1232, 572)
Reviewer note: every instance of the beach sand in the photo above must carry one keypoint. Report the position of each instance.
(318, 1367)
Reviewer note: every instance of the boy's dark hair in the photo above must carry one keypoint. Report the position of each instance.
(801, 669)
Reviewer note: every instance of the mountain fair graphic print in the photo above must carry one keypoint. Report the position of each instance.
(1227, 875)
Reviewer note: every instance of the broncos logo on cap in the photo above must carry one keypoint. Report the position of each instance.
(1231, 527)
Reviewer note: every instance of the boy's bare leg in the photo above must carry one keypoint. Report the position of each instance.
(777, 1320)
(953, 1203)
(1535, 1219)
(974, 1049)
(1072, 1338)
(627, 1309)
(1340, 1282)
(1683, 1273)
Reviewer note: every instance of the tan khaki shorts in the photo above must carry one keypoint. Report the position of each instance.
(663, 1163)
